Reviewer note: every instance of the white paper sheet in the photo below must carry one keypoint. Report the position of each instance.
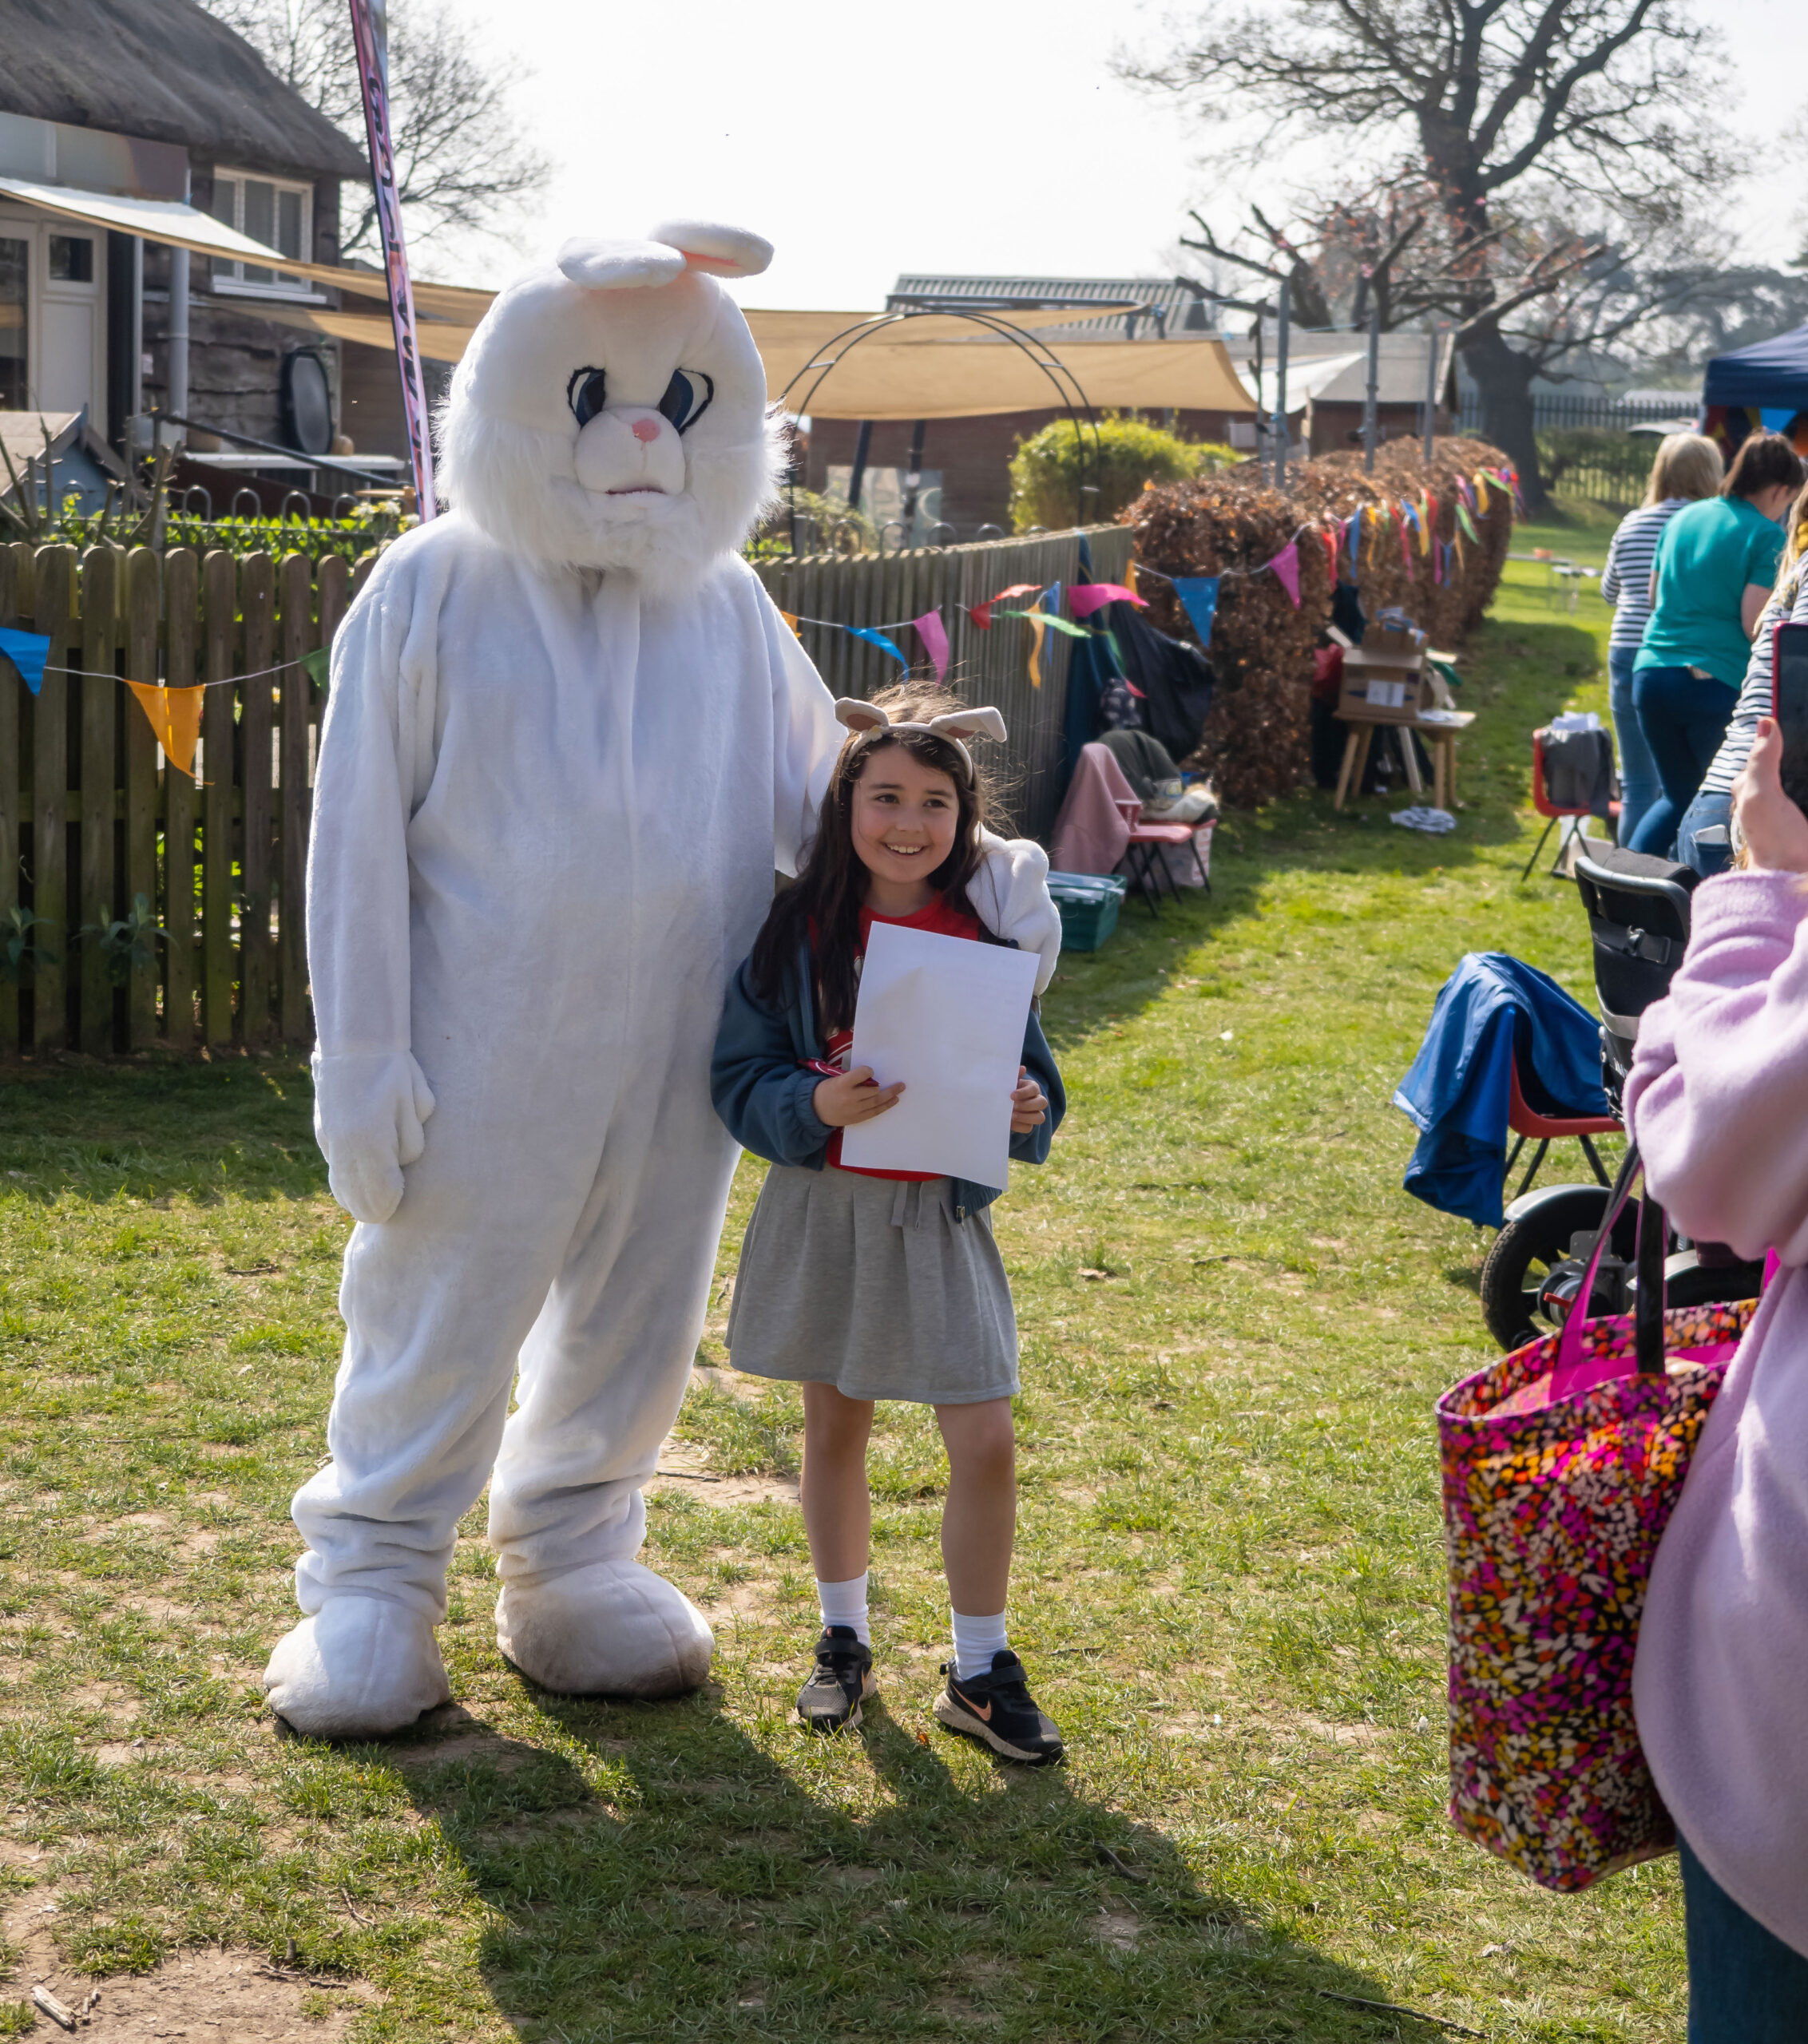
(947, 1016)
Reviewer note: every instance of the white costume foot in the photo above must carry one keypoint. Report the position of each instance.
(361, 1668)
(611, 1628)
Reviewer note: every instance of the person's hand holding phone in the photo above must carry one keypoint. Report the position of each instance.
(1774, 829)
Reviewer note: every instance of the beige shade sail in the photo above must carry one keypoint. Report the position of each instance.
(180, 226)
(439, 340)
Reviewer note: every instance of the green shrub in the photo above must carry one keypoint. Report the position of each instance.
(1049, 468)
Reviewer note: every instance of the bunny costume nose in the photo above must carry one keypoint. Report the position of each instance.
(628, 448)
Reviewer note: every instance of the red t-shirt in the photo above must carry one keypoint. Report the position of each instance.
(945, 921)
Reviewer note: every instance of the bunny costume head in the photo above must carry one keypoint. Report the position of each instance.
(610, 411)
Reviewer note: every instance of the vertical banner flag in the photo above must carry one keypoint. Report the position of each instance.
(367, 26)
(1286, 564)
(933, 634)
(28, 652)
(1199, 598)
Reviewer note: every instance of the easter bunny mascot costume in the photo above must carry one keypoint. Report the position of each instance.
(568, 739)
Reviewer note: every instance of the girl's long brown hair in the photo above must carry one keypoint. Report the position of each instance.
(822, 908)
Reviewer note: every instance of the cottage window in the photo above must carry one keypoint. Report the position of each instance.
(15, 259)
(272, 210)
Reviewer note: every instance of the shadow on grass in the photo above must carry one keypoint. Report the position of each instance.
(163, 1125)
(658, 1874)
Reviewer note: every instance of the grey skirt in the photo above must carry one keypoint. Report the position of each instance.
(871, 1284)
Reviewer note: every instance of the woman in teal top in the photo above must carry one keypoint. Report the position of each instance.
(1716, 566)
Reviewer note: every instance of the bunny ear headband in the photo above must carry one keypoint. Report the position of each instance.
(863, 718)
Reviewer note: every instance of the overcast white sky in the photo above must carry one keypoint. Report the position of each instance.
(959, 136)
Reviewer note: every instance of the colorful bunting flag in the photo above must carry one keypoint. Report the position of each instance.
(319, 663)
(876, 639)
(1037, 623)
(1199, 598)
(1355, 540)
(175, 716)
(1329, 539)
(933, 634)
(789, 617)
(1083, 598)
(1481, 492)
(1286, 565)
(28, 652)
(1428, 516)
(982, 613)
(1465, 520)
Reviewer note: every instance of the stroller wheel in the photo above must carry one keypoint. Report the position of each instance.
(1525, 1250)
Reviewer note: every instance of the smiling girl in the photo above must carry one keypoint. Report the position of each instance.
(862, 1285)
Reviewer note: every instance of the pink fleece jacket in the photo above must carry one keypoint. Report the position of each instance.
(1718, 1103)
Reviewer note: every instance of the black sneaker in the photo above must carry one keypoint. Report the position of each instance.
(999, 1709)
(830, 1702)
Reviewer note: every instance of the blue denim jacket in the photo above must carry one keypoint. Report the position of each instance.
(766, 1100)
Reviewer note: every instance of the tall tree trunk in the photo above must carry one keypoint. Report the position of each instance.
(1504, 376)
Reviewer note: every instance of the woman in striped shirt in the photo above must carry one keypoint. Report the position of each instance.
(1686, 469)
(1703, 839)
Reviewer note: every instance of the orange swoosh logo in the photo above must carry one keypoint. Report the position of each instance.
(979, 1710)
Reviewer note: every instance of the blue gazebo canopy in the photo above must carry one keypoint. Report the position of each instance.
(1768, 377)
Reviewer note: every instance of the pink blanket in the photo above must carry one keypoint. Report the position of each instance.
(1094, 824)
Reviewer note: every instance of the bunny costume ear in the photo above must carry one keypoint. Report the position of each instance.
(724, 251)
(602, 265)
(955, 726)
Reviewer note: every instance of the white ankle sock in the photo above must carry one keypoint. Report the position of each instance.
(845, 1604)
(976, 1641)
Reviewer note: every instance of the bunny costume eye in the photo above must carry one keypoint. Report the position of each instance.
(687, 397)
(586, 393)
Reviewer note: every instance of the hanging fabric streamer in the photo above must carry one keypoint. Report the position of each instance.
(1355, 539)
(1083, 598)
(1329, 539)
(1427, 513)
(175, 716)
(1438, 562)
(1466, 521)
(1199, 598)
(1037, 623)
(982, 613)
(28, 652)
(1286, 565)
(876, 639)
(1481, 492)
(933, 634)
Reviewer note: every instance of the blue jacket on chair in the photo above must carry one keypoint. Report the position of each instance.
(1459, 1090)
(765, 1098)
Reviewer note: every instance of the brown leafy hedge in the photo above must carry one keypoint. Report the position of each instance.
(1255, 741)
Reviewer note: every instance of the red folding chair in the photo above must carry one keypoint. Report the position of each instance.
(1571, 818)
(1146, 855)
(1544, 1130)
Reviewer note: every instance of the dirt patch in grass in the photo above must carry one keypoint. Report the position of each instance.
(195, 1998)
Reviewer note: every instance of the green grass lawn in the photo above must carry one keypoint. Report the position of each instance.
(1230, 1590)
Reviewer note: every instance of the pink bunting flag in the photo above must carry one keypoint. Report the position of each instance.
(1083, 598)
(1286, 564)
(933, 634)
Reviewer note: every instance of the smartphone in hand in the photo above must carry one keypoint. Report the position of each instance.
(1789, 680)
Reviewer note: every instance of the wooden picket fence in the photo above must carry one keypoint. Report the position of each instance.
(983, 667)
(100, 819)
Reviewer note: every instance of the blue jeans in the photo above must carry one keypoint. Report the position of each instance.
(1710, 816)
(1683, 720)
(1639, 787)
(1746, 1986)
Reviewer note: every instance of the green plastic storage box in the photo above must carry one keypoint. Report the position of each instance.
(1088, 903)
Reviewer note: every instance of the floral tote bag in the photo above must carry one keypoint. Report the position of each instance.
(1561, 1464)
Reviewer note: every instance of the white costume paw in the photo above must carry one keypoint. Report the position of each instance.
(368, 1109)
(361, 1668)
(1010, 891)
(610, 1628)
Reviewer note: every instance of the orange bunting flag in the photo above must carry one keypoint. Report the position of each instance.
(1038, 624)
(1425, 522)
(789, 617)
(175, 716)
